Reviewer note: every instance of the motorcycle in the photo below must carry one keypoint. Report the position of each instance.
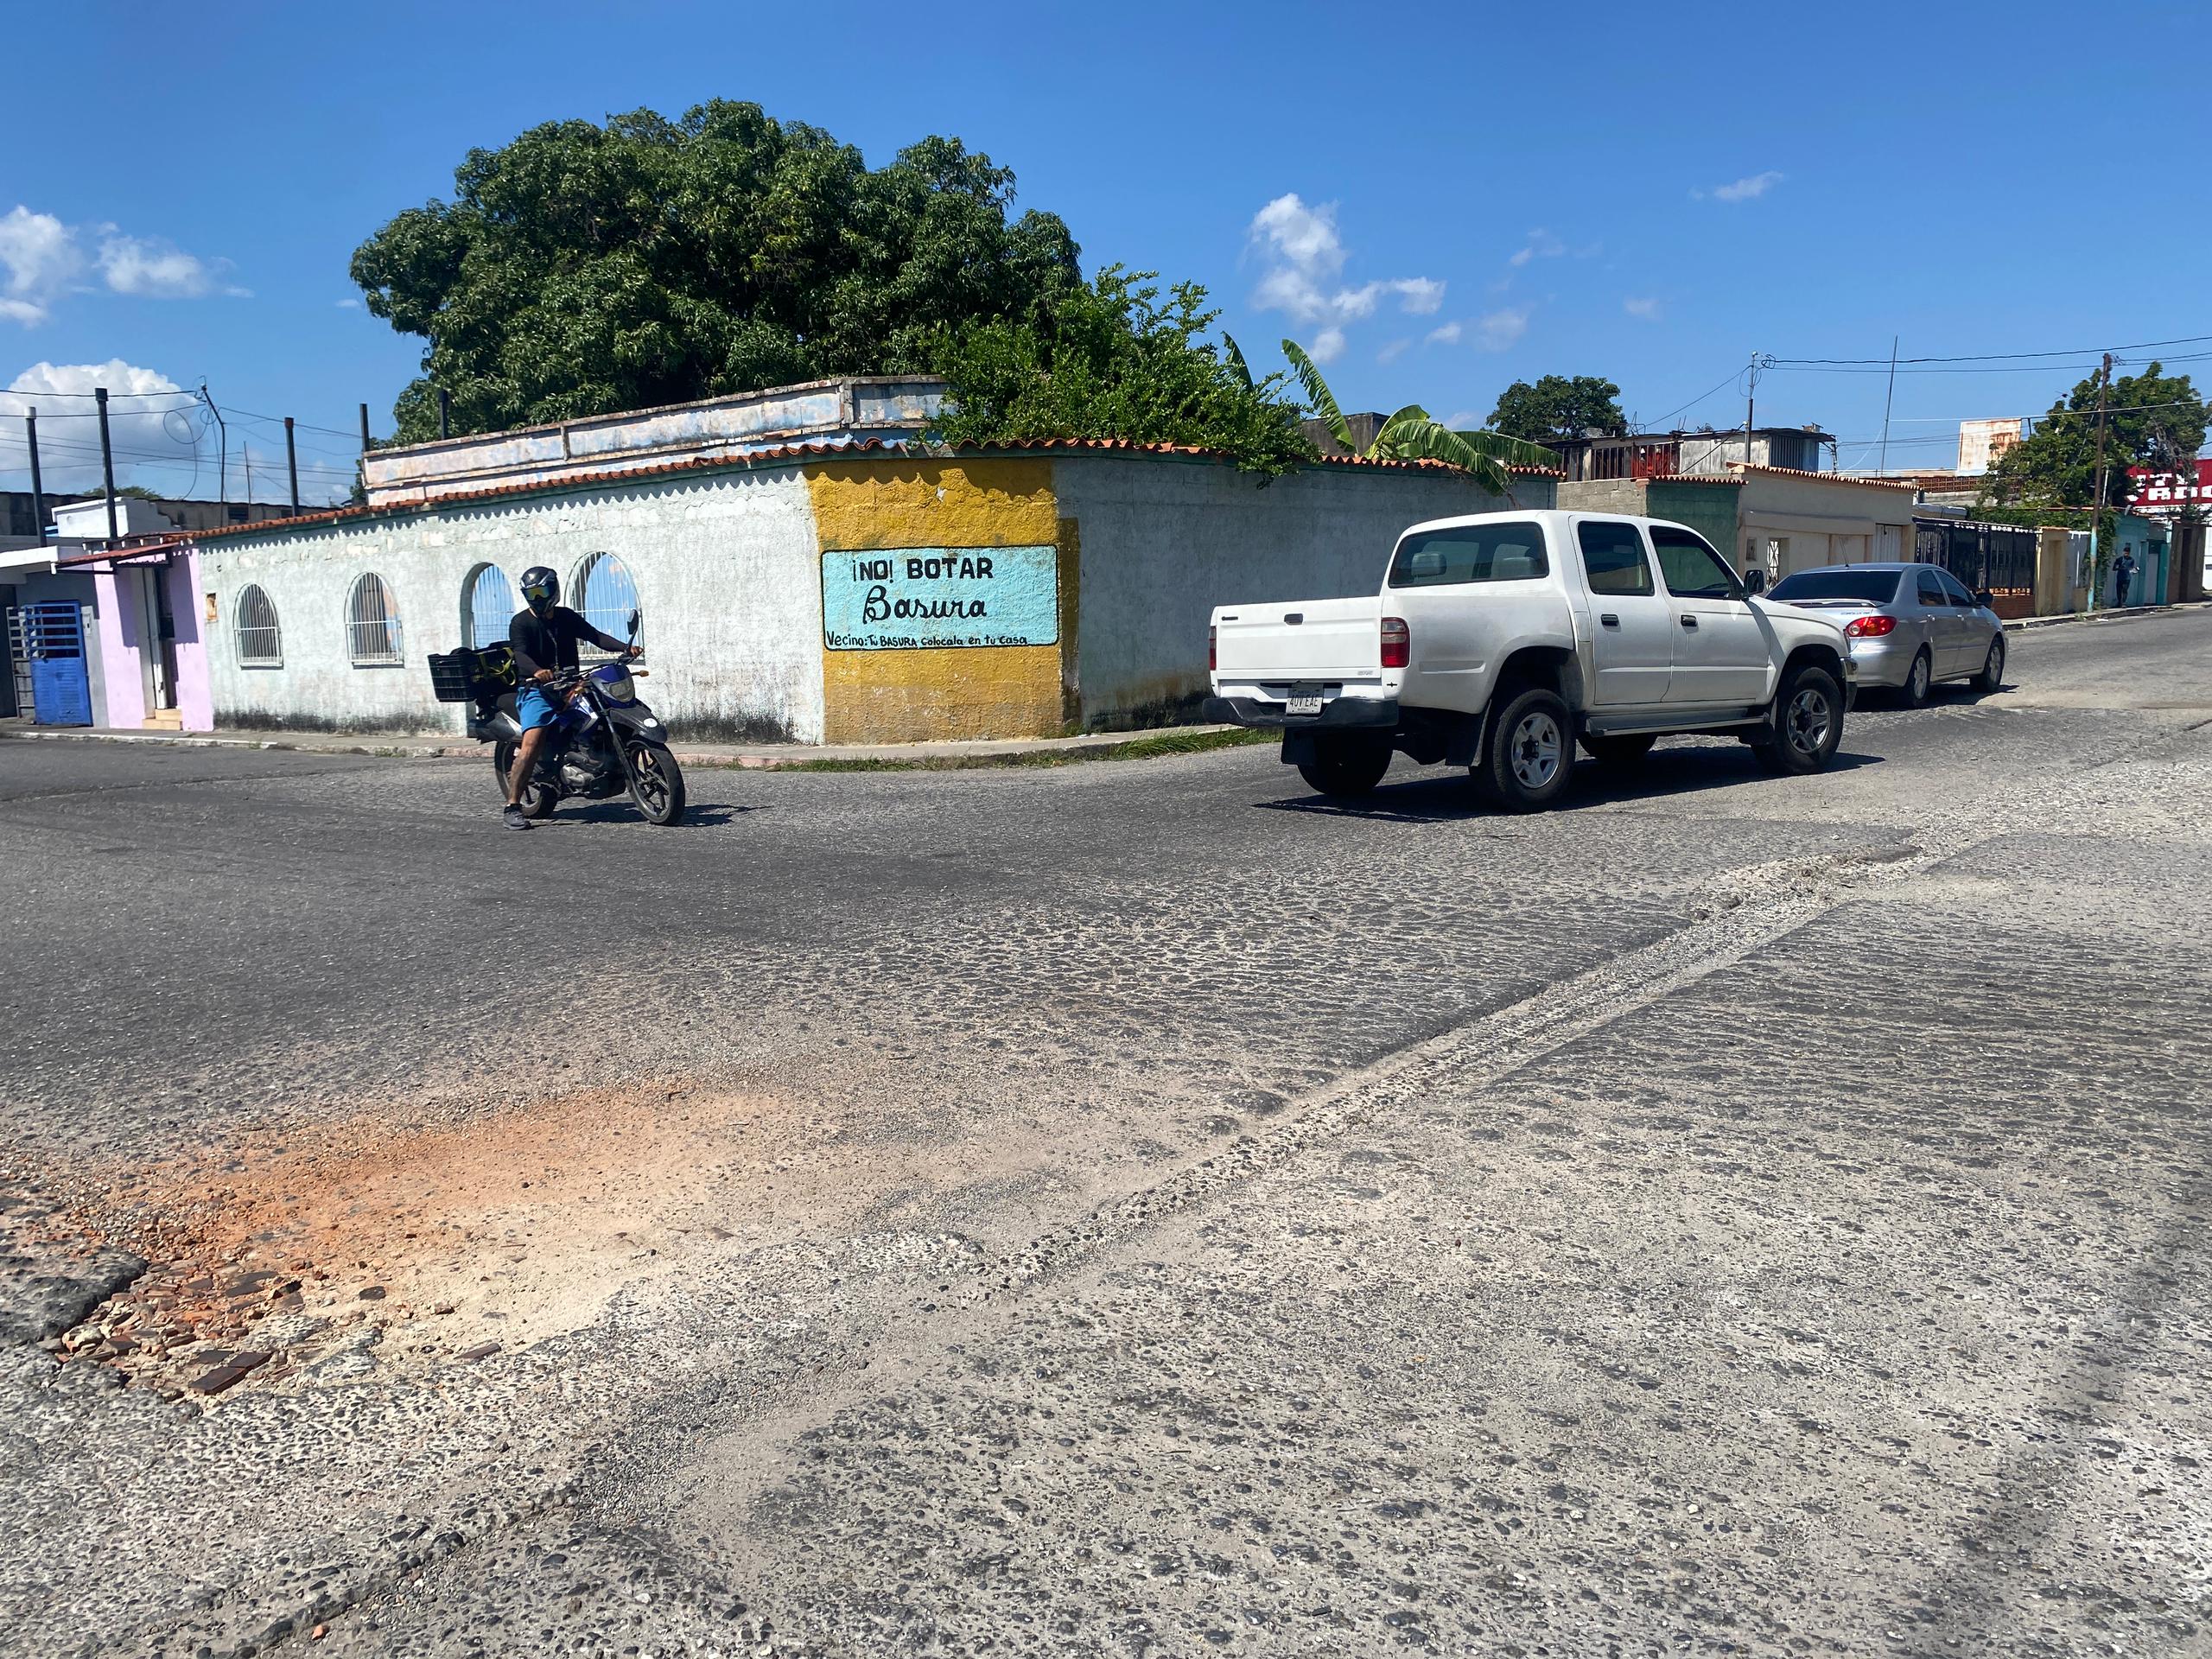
(605, 741)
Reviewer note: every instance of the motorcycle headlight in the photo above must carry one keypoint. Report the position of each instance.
(620, 687)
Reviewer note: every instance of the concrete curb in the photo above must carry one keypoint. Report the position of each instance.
(979, 753)
(2020, 625)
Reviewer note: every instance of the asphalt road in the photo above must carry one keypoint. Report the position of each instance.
(1131, 1208)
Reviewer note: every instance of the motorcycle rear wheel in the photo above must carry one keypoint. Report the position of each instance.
(656, 784)
(537, 800)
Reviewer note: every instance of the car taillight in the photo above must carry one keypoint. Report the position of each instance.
(1870, 627)
(1397, 642)
(1213, 649)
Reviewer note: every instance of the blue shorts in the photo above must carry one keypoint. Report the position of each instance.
(533, 708)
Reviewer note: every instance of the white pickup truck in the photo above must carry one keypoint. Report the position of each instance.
(1500, 640)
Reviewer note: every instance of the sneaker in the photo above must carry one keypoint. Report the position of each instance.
(513, 819)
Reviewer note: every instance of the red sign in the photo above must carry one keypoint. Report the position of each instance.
(2161, 494)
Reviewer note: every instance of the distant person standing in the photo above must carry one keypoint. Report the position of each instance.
(2123, 571)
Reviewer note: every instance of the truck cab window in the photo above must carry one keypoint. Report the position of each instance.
(1512, 551)
(1613, 558)
(1692, 569)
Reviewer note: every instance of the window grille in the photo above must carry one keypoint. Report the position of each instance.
(259, 643)
(604, 592)
(487, 607)
(371, 624)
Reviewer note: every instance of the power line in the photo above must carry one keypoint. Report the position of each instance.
(1994, 356)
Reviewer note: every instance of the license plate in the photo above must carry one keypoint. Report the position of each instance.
(1303, 705)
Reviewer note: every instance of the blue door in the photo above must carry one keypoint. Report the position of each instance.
(61, 688)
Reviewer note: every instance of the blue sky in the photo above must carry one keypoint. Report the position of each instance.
(1445, 199)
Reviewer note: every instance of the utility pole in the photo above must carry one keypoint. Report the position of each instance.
(366, 445)
(1750, 387)
(107, 462)
(38, 484)
(2095, 507)
(222, 460)
(1886, 401)
(445, 412)
(292, 465)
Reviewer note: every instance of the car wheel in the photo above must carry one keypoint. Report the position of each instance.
(1992, 677)
(1807, 721)
(1345, 765)
(1623, 753)
(1530, 753)
(1917, 681)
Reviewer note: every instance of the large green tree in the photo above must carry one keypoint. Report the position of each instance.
(2153, 419)
(582, 269)
(1113, 359)
(1555, 408)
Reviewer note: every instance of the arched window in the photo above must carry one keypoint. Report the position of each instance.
(254, 629)
(371, 624)
(487, 607)
(603, 591)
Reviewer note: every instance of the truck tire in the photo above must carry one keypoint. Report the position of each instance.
(1622, 753)
(1530, 754)
(1344, 765)
(1807, 721)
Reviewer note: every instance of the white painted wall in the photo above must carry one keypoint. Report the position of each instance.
(724, 563)
(1165, 540)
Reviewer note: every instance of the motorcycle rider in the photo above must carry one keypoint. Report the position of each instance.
(543, 634)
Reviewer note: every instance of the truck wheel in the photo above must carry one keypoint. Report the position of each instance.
(1807, 721)
(1619, 752)
(1529, 755)
(1344, 765)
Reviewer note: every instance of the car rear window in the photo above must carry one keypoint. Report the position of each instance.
(1511, 551)
(1872, 586)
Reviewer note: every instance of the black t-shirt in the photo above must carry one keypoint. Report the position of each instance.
(550, 641)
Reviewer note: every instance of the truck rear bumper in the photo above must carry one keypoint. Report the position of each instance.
(1338, 714)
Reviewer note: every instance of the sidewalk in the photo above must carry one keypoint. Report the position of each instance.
(2018, 623)
(1020, 751)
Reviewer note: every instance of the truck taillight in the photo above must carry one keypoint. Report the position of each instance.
(1870, 627)
(1213, 649)
(1397, 642)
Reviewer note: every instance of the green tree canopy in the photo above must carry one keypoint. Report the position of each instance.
(582, 269)
(1111, 358)
(1557, 408)
(2153, 419)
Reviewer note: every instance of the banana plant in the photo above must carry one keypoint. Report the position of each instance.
(1413, 434)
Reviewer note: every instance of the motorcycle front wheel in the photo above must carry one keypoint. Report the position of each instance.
(538, 801)
(656, 783)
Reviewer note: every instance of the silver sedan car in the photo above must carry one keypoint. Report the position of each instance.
(1907, 625)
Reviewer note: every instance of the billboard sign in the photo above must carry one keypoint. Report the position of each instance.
(2161, 495)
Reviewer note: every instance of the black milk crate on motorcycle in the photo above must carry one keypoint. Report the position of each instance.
(472, 676)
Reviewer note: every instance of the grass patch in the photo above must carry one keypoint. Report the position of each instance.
(1137, 748)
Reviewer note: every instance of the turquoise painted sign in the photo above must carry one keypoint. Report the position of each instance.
(912, 598)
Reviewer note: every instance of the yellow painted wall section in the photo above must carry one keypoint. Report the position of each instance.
(939, 692)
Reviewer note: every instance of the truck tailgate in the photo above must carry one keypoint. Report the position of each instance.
(1302, 639)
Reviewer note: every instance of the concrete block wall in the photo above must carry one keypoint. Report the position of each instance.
(1165, 539)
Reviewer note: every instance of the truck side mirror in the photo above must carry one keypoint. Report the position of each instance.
(1755, 580)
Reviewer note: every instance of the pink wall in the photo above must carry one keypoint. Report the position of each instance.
(117, 598)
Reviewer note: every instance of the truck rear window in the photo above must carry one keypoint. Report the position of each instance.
(1501, 552)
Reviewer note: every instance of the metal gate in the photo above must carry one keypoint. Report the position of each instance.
(2000, 558)
(61, 687)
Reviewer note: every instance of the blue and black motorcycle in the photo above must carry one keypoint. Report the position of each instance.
(606, 739)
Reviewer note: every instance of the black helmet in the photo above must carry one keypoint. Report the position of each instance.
(541, 588)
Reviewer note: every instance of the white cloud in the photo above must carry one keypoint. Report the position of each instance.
(1540, 244)
(1447, 335)
(1465, 420)
(139, 426)
(152, 268)
(349, 305)
(1394, 351)
(42, 259)
(1328, 346)
(1743, 190)
(1499, 329)
(1307, 258)
(1648, 310)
